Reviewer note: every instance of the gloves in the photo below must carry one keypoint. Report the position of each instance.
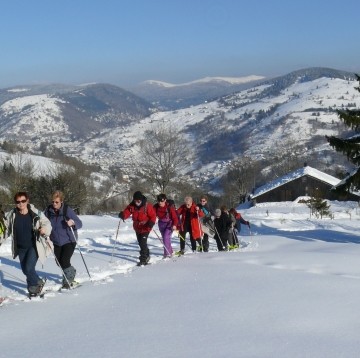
(70, 222)
(121, 215)
(150, 224)
(248, 224)
(212, 217)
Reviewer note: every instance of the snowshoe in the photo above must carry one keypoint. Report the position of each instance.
(144, 262)
(38, 290)
(73, 284)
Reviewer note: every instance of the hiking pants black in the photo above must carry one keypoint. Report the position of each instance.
(64, 253)
(205, 242)
(183, 238)
(144, 250)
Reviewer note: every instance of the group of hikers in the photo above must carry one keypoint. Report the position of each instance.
(36, 234)
(197, 220)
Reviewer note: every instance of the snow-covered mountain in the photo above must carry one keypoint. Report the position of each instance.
(102, 123)
(60, 113)
(170, 96)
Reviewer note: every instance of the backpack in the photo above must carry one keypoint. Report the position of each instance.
(65, 208)
(2, 227)
(171, 203)
(66, 218)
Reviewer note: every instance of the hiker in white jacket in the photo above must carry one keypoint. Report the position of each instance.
(29, 229)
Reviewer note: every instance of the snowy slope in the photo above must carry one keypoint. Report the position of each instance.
(41, 165)
(39, 114)
(291, 291)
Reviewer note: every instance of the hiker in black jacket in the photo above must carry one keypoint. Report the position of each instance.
(222, 222)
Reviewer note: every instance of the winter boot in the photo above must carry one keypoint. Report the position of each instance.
(70, 273)
(36, 289)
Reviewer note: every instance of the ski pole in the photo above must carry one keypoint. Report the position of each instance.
(1, 286)
(58, 263)
(116, 237)
(201, 236)
(222, 244)
(162, 242)
(183, 239)
(236, 239)
(80, 252)
(210, 225)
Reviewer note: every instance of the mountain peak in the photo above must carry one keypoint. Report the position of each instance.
(229, 80)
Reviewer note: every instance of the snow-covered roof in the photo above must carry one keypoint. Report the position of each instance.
(326, 178)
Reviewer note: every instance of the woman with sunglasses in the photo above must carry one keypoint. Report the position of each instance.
(205, 221)
(65, 224)
(167, 222)
(25, 224)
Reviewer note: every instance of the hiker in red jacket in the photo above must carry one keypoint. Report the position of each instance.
(189, 223)
(239, 220)
(144, 218)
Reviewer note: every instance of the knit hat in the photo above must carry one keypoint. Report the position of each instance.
(217, 213)
(137, 195)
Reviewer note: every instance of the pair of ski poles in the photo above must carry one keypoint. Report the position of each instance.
(58, 263)
(115, 242)
(162, 242)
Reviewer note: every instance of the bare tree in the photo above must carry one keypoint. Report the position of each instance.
(285, 157)
(164, 157)
(239, 180)
(20, 167)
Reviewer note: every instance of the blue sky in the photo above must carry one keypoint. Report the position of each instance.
(126, 42)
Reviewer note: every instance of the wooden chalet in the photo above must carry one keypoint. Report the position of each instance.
(306, 181)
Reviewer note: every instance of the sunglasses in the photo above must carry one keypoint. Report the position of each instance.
(21, 201)
(162, 200)
(56, 202)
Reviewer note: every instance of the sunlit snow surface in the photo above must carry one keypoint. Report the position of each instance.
(292, 290)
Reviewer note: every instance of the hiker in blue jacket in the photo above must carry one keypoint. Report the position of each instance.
(65, 224)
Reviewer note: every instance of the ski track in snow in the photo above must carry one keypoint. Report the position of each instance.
(284, 228)
(104, 257)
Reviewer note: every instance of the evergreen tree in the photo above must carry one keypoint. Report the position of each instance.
(318, 207)
(349, 146)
